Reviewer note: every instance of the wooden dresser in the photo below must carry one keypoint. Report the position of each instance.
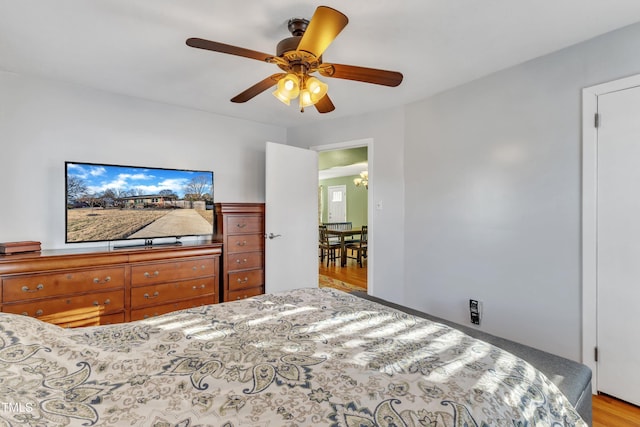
(93, 287)
(240, 227)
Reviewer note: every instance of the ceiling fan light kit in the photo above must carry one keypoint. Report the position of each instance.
(288, 88)
(309, 89)
(316, 87)
(301, 55)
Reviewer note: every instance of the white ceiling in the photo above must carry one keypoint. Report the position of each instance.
(137, 47)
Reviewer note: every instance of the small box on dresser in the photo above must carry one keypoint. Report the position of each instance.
(240, 227)
(8, 248)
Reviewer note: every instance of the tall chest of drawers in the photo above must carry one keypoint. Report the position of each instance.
(240, 227)
(93, 287)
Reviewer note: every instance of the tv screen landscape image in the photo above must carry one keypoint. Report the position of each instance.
(113, 202)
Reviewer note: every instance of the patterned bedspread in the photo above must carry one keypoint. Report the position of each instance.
(312, 357)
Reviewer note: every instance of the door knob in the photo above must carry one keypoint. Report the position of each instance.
(273, 236)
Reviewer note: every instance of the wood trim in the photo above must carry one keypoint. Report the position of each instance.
(64, 259)
(225, 208)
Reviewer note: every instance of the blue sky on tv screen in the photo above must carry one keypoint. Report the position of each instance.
(146, 181)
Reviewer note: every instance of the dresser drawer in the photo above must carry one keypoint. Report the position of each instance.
(159, 294)
(245, 261)
(245, 243)
(145, 313)
(163, 272)
(246, 279)
(60, 310)
(109, 319)
(20, 288)
(244, 293)
(238, 224)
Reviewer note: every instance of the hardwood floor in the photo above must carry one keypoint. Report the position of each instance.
(611, 412)
(351, 273)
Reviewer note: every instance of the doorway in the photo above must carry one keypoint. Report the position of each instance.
(610, 234)
(341, 200)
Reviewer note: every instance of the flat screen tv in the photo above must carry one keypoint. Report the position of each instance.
(115, 202)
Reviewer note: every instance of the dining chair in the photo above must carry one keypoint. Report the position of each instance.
(360, 246)
(326, 246)
(338, 226)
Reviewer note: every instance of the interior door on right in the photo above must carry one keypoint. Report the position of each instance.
(618, 245)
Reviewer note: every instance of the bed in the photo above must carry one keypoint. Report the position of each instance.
(573, 379)
(308, 357)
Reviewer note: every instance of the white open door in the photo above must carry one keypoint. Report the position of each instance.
(291, 218)
(618, 245)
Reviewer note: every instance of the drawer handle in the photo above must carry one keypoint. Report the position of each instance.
(97, 280)
(239, 225)
(106, 302)
(38, 288)
(39, 313)
(148, 275)
(201, 286)
(243, 243)
(245, 280)
(155, 295)
(241, 261)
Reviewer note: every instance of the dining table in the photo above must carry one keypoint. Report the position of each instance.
(342, 234)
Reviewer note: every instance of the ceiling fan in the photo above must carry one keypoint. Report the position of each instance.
(298, 57)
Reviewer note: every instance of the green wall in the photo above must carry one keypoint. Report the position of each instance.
(345, 157)
(357, 200)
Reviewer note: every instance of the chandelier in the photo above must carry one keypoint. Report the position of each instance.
(363, 180)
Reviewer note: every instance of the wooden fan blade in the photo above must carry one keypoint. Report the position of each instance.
(325, 105)
(258, 88)
(325, 25)
(361, 74)
(227, 48)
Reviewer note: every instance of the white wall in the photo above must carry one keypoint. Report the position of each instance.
(44, 123)
(386, 229)
(493, 193)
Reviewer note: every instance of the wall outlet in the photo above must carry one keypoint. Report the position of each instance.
(474, 311)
